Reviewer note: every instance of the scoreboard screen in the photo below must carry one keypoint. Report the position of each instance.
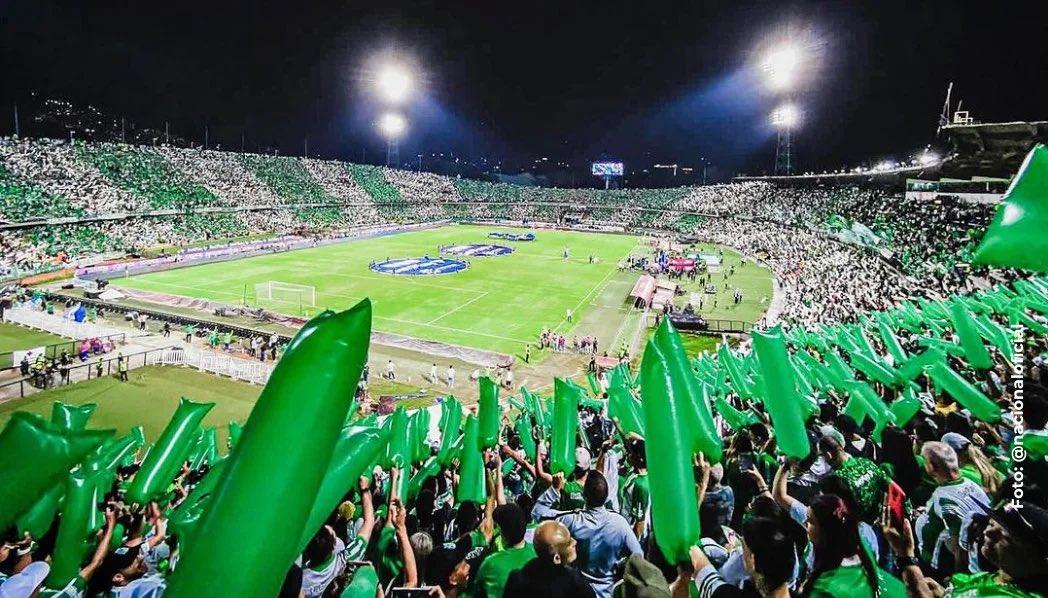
(607, 169)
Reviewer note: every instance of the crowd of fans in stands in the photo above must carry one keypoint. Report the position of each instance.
(824, 280)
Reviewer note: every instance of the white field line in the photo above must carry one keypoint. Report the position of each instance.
(406, 280)
(495, 336)
(448, 313)
(587, 296)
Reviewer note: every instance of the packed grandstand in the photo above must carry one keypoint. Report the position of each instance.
(882, 435)
(114, 200)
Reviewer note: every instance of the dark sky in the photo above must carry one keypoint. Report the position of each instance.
(572, 80)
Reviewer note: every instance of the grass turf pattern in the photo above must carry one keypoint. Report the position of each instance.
(498, 303)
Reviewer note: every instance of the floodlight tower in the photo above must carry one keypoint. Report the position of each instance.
(392, 126)
(784, 119)
(781, 66)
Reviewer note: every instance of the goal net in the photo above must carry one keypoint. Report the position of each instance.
(285, 292)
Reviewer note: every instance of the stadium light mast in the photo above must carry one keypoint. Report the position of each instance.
(784, 119)
(392, 126)
(782, 65)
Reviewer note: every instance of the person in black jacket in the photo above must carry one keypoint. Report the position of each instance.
(550, 575)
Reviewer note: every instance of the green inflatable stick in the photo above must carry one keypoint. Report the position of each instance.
(905, 407)
(206, 450)
(451, 422)
(891, 342)
(915, 365)
(943, 345)
(732, 416)
(488, 413)
(169, 453)
(624, 410)
(974, 350)
(71, 417)
(184, 517)
(962, 391)
(699, 420)
(72, 531)
(674, 506)
(781, 399)
(363, 585)
(38, 519)
(422, 449)
(235, 430)
(355, 450)
(37, 457)
(400, 451)
(273, 474)
(565, 427)
(1016, 237)
(873, 406)
(594, 385)
(838, 368)
(527, 438)
(1035, 443)
(994, 333)
(429, 469)
(471, 486)
(873, 369)
(728, 362)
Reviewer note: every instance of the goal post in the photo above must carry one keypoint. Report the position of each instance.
(302, 295)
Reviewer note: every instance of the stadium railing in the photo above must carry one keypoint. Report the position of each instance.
(54, 351)
(77, 373)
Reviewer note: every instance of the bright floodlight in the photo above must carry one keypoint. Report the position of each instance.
(393, 83)
(928, 158)
(781, 65)
(785, 117)
(392, 124)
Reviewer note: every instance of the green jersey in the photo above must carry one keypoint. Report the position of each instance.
(985, 585)
(868, 484)
(851, 582)
(571, 497)
(496, 568)
(635, 497)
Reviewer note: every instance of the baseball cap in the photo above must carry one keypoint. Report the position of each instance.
(26, 581)
(955, 441)
(582, 458)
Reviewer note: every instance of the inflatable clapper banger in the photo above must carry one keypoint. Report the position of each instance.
(165, 459)
(356, 449)
(71, 417)
(450, 422)
(273, 474)
(694, 405)
(72, 531)
(400, 451)
(974, 350)
(962, 391)
(471, 466)
(1017, 235)
(488, 412)
(674, 508)
(565, 427)
(37, 457)
(624, 409)
(783, 402)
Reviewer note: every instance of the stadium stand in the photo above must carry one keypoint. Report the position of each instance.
(916, 246)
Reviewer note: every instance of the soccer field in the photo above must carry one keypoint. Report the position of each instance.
(498, 303)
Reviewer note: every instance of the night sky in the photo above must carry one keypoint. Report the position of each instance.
(573, 81)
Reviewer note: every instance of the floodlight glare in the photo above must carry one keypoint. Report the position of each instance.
(785, 117)
(393, 83)
(928, 158)
(781, 65)
(392, 124)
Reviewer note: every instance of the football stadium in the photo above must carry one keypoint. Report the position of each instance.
(446, 335)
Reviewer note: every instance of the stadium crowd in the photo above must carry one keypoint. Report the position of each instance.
(930, 506)
(928, 241)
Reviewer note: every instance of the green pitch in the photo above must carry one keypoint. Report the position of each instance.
(498, 303)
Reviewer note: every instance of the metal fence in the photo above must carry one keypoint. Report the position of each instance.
(89, 370)
(53, 351)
